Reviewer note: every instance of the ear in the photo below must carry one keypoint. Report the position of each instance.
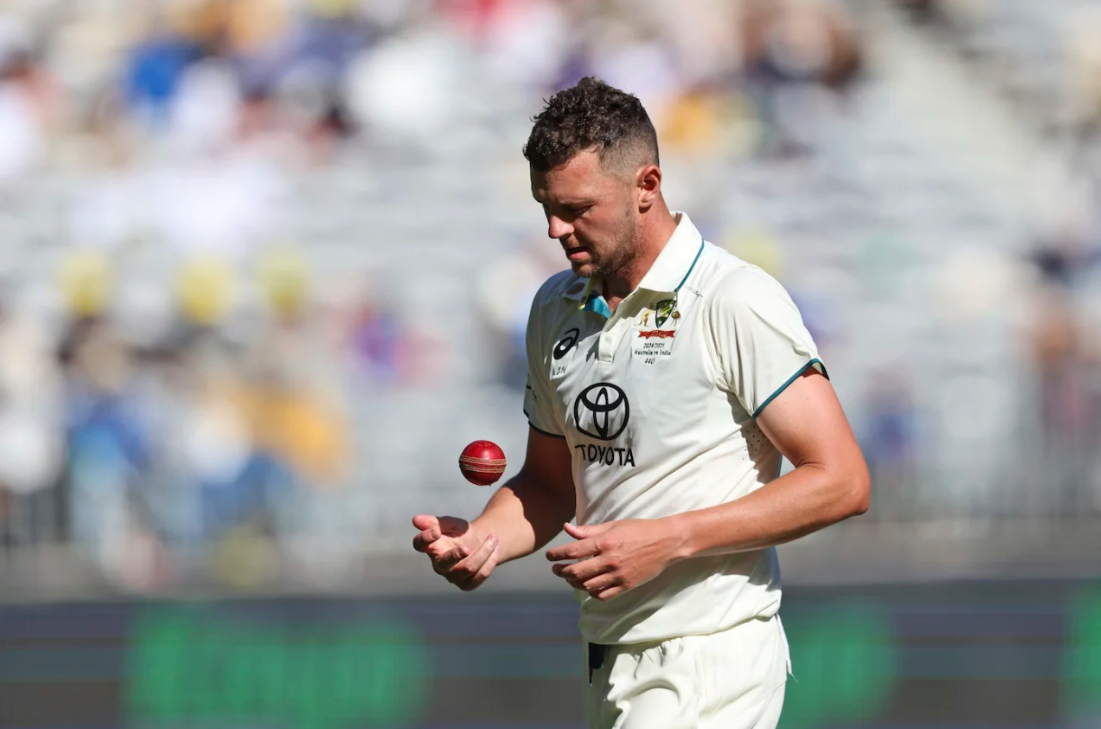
(649, 186)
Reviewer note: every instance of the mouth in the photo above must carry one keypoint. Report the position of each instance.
(577, 254)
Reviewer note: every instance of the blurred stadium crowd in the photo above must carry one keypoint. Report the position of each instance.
(268, 262)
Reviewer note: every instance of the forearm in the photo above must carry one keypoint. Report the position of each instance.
(799, 503)
(525, 515)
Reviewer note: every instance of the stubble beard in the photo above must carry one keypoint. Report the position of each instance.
(620, 258)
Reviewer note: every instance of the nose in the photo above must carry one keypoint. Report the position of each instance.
(558, 228)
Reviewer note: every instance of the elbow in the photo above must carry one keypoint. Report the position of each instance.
(847, 492)
(858, 492)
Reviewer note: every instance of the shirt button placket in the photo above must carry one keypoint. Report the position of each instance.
(605, 351)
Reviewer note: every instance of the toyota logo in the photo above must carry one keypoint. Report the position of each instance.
(565, 344)
(601, 411)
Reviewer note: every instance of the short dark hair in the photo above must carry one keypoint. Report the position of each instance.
(592, 116)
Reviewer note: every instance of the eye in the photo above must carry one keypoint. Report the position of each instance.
(579, 211)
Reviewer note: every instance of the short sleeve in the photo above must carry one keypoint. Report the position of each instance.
(538, 394)
(761, 342)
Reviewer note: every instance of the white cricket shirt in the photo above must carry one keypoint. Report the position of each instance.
(657, 402)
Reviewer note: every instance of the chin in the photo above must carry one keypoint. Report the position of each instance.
(585, 270)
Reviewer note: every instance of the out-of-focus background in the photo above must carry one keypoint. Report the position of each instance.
(266, 270)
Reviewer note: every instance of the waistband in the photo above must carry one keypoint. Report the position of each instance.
(598, 652)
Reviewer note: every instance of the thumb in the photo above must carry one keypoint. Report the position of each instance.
(584, 532)
(425, 521)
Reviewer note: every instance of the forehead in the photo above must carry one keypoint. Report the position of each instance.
(581, 176)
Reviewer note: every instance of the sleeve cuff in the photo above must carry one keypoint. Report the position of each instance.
(544, 432)
(790, 380)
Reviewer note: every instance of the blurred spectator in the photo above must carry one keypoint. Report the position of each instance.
(155, 70)
(30, 402)
(294, 398)
(32, 444)
(109, 450)
(1068, 365)
(889, 447)
(28, 104)
(796, 52)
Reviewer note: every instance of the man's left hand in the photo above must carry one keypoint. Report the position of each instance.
(616, 556)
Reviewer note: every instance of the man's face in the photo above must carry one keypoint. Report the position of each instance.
(591, 212)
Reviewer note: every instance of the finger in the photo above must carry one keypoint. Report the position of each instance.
(584, 532)
(484, 571)
(599, 583)
(445, 561)
(586, 569)
(610, 592)
(557, 569)
(570, 580)
(424, 540)
(576, 550)
(463, 571)
(424, 522)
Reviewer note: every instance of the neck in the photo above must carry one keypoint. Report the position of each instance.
(657, 228)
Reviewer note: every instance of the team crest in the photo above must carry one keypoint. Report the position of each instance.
(657, 343)
(663, 310)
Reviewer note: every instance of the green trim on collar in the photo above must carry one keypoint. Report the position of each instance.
(689, 272)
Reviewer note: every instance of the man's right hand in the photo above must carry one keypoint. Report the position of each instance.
(457, 551)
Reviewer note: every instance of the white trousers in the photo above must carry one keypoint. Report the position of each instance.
(729, 680)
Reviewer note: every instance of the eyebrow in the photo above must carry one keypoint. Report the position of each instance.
(581, 202)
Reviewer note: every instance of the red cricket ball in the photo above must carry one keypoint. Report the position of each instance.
(482, 462)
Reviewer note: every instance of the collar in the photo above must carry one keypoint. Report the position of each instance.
(587, 292)
(667, 274)
(579, 289)
(677, 259)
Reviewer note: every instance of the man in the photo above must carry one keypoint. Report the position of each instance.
(666, 380)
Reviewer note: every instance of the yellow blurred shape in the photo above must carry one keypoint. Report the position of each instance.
(284, 278)
(692, 123)
(332, 8)
(245, 24)
(86, 282)
(308, 435)
(205, 289)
